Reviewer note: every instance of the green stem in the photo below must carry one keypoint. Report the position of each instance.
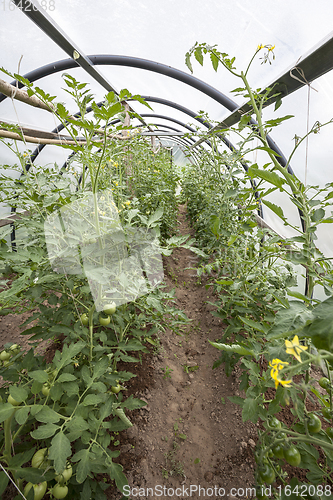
(91, 330)
(8, 437)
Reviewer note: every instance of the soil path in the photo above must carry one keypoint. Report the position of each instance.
(190, 433)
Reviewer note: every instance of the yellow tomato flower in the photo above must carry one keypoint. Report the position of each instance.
(278, 365)
(261, 47)
(271, 48)
(295, 348)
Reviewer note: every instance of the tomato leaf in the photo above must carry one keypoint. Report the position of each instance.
(133, 404)
(21, 415)
(66, 377)
(318, 214)
(100, 367)
(34, 475)
(275, 208)
(47, 415)
(21, 458)
(18, 393)
(116, 473)
(3, 482)
(233, 348)
(93, 399)
(39, 375)
(254, 324)
(59, 451)
(6, 411)
(188, 61)
(83, 467)
(44, 431)
(250, 410)
(155, 217)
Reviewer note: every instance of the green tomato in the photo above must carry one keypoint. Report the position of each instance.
(267, 474)
(104, 321)
(110, 309)
(329, 432)
(59, 491)
(115, 389)
(46, 389)
(39, 458)
(292, 456)
(326, 413)
(39, 490)
(325, 383)
(84, 319)
(314, 423)
(65, 475)
(4, 355)
(278, 450)
(13, 401)
(15, 348)
(275, 423)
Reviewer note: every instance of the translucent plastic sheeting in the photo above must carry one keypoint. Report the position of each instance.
(164, 31)
(318, 158)
(120, 263)
(152, 30)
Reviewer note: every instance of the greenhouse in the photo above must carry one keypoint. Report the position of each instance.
(166, 263)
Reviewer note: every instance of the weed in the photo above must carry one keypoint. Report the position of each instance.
(167, 372)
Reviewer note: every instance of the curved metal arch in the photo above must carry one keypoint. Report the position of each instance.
(60, 127)
(179, 107)
(183, 141)
(133, 62)
(137, 62)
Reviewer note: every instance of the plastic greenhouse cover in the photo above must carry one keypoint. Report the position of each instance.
(164, 32)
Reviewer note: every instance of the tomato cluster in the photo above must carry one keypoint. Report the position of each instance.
(60, 489)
